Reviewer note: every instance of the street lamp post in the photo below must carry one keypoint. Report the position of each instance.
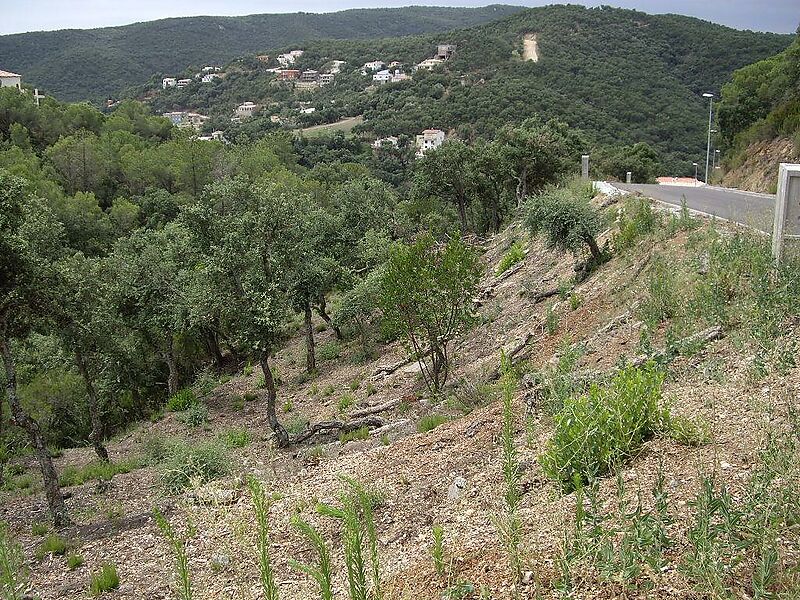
(695, 173)
(710, 97)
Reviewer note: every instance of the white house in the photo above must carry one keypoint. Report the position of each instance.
(430, 63)
(336, 66)
(186, 119)
(375, 65)
(399, 76)
(182, 83)
(289, 58)
(245, 110)
(9, 79)
(210, 77)
(168, 82)
(428, 140)
(390, 141)
(325, 78)
(382, 76)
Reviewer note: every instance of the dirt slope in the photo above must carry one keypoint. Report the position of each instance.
(450, 476)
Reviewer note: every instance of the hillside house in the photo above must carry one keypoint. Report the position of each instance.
(264, 58)
(168, 82)
(386, 142)
(9, 79)
(375, 65)
(382, 76)
(182, 83)
(288, 75)
(289, 58)
(309, 76)
(210, 77)
(245, 110)
(445, 51)
(186, 119)
(395, 64)
(429, 140)
(430, 64)
(336, 66)
(399, 76)
(325, 79)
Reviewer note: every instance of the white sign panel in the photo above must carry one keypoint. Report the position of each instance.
(787, 208)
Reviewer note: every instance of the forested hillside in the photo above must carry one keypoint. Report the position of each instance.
(759, 120)
(95, 64)
(621, 76)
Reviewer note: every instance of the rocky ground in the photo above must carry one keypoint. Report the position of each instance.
(450, 476)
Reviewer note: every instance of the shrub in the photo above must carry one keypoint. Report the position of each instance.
(104, 581)
(514, 255)
(430, 422)
(195, 416)
(361, 433)
(329, 351)
(13, 567)
(261, 507)
(74, 561)
(600, 430)
(186, 465)
(636, 219)
(235, 438)
(689, 432)
(345, 402)
(99, 470)
(296, 424)
(52, 544)
(437, 550)
(511, 524)
(156, 447)
(181, 400)
(575, 301)
(321, 572)
(663, 300)
(250, 396)
(288, 406)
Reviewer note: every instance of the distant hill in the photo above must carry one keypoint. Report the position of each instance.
(622, 76)
(80, 64)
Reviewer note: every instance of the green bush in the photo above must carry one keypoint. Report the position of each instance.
(39, 528)
(195, 416)
(182, 400)
(689, 432)
(345, 402)
(95, 470)
(430, 422)
(600, 430)
(13, 566)
(636, 220)
(52, 544)
(104, 581)
(235, 438)
(74, 561)
(329, 351)
(186, 465)
(296, 424)
(514, 255)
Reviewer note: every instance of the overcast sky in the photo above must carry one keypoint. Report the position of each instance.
(36, 15)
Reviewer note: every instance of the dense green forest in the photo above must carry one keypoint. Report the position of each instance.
(621, 76)
(761, 101)
(95, 64)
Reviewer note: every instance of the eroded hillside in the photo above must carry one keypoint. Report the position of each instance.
(675, 291)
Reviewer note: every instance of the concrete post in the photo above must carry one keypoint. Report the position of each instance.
(628, 177)
(585, 166)
(787, 208)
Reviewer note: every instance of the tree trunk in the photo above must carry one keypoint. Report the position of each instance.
(593, 248)
(96, 435)
(169, 356)
(311, 359)
(522, 185)
(55, 501)
(277, 428)
(321, 310)
(213, 347)
(462, 213)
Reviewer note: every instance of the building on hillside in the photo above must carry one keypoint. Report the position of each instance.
(375, 65)
(288, 75)
(395, 64)
(336, 66)
(210, 77)
(387, 142)
(168, 82)
(264, 58)
(382, 76)
(325, 79)
(309, 76)
(182, 83)
(245, 110)
(308, 110)
(210, 70)
(185, 119)
(275, 119)
(430, 63)
(399, 76)
(289, 58)
(445, 51)
(9, 79)
(429, 140)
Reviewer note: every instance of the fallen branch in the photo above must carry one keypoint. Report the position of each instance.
(539, 296)
(385, 370)
(389, 427)
(328, 427)
(371, 410)
(702, 338)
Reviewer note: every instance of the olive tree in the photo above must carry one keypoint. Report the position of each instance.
(427, 298)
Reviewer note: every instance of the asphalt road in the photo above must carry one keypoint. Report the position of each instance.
(753, 210)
